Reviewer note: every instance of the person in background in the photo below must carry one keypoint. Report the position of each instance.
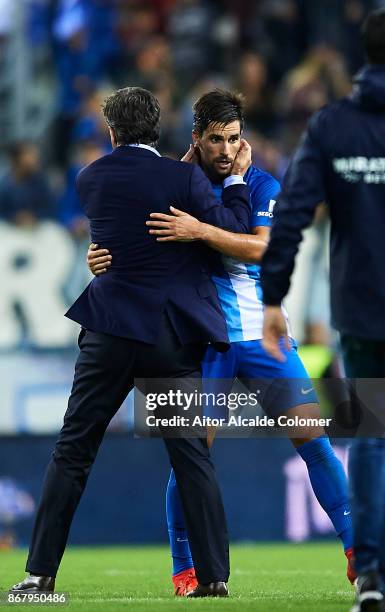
(25, 194)
(341, 160)
(84, 48)
(71, 215)
(89, 127)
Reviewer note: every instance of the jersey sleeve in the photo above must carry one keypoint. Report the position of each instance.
(263, 195)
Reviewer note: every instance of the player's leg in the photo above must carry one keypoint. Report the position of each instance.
(183, 573)
(296, 397)
(214, 366)
(202, 508)
(199, 500)
(327, 477)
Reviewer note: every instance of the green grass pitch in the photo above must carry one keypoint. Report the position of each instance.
(268, 578)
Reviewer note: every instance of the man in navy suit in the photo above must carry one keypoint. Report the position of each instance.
(151, 317)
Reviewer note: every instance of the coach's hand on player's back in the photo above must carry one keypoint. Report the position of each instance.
(275, 332)
(98, 260)
(242, 161)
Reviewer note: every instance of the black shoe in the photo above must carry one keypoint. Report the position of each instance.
(369, 596)
(214, 589)
(34, 584)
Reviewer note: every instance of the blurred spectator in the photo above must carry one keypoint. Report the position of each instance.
(276, 29)
(85, 43)
(182, 135)
(39, 17)
(137, 22)
(7, 12)
(91, 126)
(25, 194)
(354, 14)
(190, 35)
(267, 154)
(70, 212)
(324, 22)
(252, 81)
(225, 37)
(153, 61)
(319, 78)
(138, 29)
(72, 216)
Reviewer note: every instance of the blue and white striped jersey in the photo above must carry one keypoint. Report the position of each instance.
(237, 283)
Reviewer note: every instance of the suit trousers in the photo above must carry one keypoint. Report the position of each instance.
(104, 375)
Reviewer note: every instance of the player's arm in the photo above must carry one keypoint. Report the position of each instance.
(182, 227)
(249, 248)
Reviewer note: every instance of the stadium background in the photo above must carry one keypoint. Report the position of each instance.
(58, 59)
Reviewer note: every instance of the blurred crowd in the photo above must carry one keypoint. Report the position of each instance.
(288, 57)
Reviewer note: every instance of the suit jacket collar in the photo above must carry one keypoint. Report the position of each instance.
(135, 150)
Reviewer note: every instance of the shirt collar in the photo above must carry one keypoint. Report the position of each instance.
(144, 146)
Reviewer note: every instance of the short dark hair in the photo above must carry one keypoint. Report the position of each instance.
(133, 113)
(373, 35)
(218, 106)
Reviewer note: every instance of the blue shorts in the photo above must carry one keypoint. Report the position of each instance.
(279, 385)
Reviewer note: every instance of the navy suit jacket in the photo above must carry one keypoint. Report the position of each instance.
(118, 192)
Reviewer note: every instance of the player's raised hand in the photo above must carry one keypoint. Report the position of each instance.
(177, 227)
(274, 330)
(98, 260)
(242, 161)
(192, 155)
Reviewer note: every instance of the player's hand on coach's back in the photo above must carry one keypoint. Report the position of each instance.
(242, 161)
(98, 260)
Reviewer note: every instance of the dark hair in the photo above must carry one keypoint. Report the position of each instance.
(134, 115)
(218, 106)
(373, 35)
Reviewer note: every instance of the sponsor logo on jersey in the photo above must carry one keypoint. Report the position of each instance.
(267, 213)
